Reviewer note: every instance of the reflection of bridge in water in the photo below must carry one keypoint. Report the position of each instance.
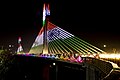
(54, 43)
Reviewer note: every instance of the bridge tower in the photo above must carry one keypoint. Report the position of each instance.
(46, 14)
(20, 49)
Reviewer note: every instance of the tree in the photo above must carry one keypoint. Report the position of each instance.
(6, 59)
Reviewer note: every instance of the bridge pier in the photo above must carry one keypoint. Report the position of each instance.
(46, 72)
(53, 71)
(90, 73)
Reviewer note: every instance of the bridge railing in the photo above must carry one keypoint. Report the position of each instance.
(102, 65)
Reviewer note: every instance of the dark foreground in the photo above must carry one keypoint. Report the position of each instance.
(33, 68)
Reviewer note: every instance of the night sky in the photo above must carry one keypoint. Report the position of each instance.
(95, 22)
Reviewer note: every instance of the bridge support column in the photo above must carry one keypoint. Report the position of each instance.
(46, 72)
(53, 72)
(90, 73)
(87, 73)
(45, 41)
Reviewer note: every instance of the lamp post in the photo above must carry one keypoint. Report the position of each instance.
(104, 45)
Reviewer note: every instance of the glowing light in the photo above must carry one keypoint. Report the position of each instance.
(114, 65)
(83, 55)
(104, 45)
(45, 51)
(79, 58)
(48, 55)
(53, 56)
(72, 59)
(66, 58)
(116, 56)
(54, 64)
(61, 57)
(27, 54)
(56, 57)
(10, 45)
(91, 55)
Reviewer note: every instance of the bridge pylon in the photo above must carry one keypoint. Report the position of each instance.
(46, 14)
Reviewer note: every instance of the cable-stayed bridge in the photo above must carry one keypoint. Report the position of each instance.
(61, 41)
(56, 43)
(64, 46)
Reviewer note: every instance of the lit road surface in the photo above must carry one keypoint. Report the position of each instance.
(115, 56)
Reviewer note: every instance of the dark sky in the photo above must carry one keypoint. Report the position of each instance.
(95, 22)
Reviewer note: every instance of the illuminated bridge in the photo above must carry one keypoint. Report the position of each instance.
(55, 45)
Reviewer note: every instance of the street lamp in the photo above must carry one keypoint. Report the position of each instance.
(104, 45)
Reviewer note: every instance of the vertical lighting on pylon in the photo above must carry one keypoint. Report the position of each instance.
(19, 40)
(19, 45)
(46, 13)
